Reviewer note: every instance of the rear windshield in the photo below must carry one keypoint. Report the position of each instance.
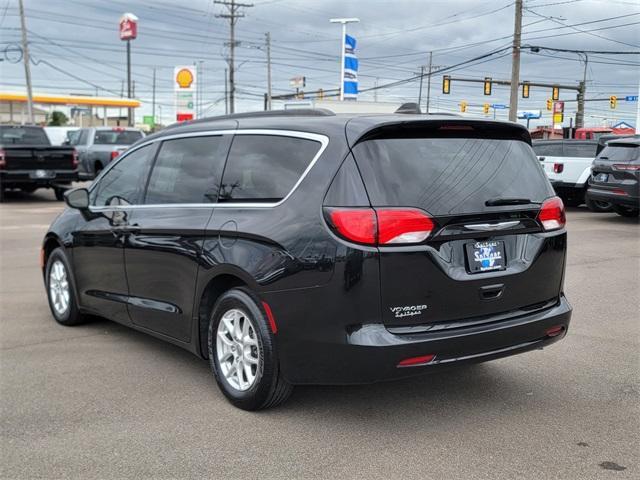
(553, 149)
(579, 149)
(447, 176)
(620, 152)
(115, 137)
(23, 136)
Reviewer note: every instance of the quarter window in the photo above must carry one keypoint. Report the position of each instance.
(123, 183)
(265, 168)
(188, 170)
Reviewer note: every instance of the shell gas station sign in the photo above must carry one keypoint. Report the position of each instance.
(184, 84)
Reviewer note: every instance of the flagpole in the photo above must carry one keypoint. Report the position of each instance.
(344, 22)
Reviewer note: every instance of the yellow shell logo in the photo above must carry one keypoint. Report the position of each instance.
(184, 78)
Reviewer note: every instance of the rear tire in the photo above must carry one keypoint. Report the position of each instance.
(61, 290)
(629, 212)
(598, 206)
(242, 352)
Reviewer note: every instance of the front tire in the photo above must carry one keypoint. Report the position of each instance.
(623, 211)
(242, 352)
(61, 291)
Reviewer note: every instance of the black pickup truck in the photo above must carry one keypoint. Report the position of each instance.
(28, 161)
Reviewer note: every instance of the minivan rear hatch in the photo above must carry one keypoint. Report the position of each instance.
(483, 187)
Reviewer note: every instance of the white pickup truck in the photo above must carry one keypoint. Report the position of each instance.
(567, 164)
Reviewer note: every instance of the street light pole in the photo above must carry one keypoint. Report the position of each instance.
(268, 46)
(344, 22)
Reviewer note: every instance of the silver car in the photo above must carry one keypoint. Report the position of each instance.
(97, 146)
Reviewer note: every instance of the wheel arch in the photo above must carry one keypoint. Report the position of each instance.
(214, 288)
(50, 243)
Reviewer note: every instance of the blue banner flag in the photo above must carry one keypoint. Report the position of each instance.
(350, 80)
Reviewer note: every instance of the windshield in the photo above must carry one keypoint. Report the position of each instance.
(116, 137)
(620, 152)
(23, 136)
(447, 176)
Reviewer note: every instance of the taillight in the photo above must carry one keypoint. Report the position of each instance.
(551, 214)
(114, 154)
(405, 225)
(356, 224)
(382, 226)
(626, 167)
(558, 167)
(74, 158)
(3, 160)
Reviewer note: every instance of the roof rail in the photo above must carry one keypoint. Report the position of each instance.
(294, 112)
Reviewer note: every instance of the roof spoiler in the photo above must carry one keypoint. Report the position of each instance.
(410, 108)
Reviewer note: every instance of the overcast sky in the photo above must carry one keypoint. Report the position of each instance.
(80, 37)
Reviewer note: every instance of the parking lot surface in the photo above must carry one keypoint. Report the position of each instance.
(104, 401)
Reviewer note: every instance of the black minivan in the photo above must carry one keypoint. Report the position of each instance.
(303, 247)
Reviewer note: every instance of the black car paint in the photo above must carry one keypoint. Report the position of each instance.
(622, 187)
(325, 293)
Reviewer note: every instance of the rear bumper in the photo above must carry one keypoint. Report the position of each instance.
(606, 195)
(372, 353)
(17, 178)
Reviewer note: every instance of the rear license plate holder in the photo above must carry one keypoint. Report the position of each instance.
(486, 256)
(42, 174)
(602, 177)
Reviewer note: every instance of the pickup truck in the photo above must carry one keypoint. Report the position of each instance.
(567, 164)
(28, 161)
(97, 146)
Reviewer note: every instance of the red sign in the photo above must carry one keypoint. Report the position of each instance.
(558, 107)
(183, 117)
(128, 26)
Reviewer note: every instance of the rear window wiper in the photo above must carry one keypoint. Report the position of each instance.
(498, 202)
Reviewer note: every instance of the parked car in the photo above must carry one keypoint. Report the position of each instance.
(28, 161)
(98, 146)
(616, 176)
(567, 164)
(301, 247)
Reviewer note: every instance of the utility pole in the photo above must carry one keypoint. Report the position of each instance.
(582, 92)
(515, 64)
(153, 98)
(226, 94)
(233, 15)
(268, 46)
(375, 92)
(429, 80)
(344, 22)
(420, 89)
(27, 67)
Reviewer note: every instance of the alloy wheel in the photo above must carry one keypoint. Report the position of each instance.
(238, 350)
(59, 288)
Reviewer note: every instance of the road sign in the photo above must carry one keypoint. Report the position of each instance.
(558, 118)
(148, 120)
(631, 98)
(558, 107)
(499, 106)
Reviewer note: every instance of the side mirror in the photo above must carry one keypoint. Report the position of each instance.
(77, 198)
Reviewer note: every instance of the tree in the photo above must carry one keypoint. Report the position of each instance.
(58, 119)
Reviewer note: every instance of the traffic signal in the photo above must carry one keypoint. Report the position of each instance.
(487, 85)
(463, 106)
(446, 84)
(613, 101)
(320, 94)
(525, 89)
(555, 93)
(549, 104)
(485, 108)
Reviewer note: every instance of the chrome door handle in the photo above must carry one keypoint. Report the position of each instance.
(488, 227)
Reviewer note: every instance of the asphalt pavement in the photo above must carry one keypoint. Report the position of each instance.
(104, 401)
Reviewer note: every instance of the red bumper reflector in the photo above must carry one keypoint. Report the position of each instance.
(272, 321)
(416, 361)
(554, 331)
